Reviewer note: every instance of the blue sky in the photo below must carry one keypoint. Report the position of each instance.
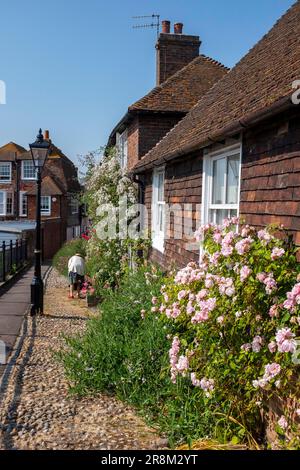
(74, 66)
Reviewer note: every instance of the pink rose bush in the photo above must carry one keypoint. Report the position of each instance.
(234, 317)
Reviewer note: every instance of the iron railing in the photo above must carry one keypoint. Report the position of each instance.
(13, 255)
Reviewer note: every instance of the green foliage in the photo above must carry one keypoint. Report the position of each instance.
(124, 354)
(108, 186)
(14, 269)
(127, 349)
(226, 317)
(61, 258)
(98, 359)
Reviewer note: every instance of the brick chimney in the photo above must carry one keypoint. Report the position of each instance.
(46, 135)
(174, 51)
(165, 26)
(178, 27)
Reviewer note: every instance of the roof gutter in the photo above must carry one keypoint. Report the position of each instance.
(279, 106)
(125, 120)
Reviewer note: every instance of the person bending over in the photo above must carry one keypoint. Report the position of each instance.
(76, 269)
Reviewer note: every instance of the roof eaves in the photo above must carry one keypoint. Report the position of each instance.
(237, 126)
(125, 120)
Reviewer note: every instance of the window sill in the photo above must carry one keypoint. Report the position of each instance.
(158, 244)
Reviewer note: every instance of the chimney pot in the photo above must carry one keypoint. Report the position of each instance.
(166, 25)
(178, 28)
(46, 135)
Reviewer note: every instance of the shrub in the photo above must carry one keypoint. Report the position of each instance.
(126, 353)
(61, 258)
(234, 320)
(107, 189)
(226, 330)
(99, 359)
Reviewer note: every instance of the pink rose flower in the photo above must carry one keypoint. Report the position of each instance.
(285, 341)
(245, 273)
(264, 236)
(261, 277)
(277, 253)
(271, 371)
(183, 364)
(273, 312)
(257, 344)
(272, 347)
(182, 294)
(282, 422)
(194, 380)
(246, 347)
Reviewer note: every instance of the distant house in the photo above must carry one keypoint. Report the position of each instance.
(236, 152)
(183, 77)
(61, 218)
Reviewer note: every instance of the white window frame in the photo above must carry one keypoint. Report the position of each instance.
(23, 194)
(4, 203)
(48, 212)
(26, 178)
(122, 148)
(5, 193)
(9, 178)
(158, 236)
(207, 180)
(12, 203)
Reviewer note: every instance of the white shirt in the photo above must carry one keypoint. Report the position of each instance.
(76, 265)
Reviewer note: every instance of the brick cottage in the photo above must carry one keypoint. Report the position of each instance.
(236, 152)
(61, 218)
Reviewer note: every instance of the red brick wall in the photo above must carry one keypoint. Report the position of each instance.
(145, 131)
(270, 183)
(55, 225)
(152, 128)
(55, 208)
(183, 185)
(133, 143)
(174, 51)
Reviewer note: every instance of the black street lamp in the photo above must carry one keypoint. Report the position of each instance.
(40, 150)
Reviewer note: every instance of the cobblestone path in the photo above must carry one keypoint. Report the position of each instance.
(36, 411)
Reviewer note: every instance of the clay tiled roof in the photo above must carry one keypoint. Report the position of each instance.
(49, 188)
(258, 84)
(179, 93)
(183, 89)
(65, 173)
(10, 150)
(55, 152)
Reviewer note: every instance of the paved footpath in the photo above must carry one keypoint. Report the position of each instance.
(36, 409)
(13, 306)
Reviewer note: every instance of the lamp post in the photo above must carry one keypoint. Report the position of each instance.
(40, 150)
